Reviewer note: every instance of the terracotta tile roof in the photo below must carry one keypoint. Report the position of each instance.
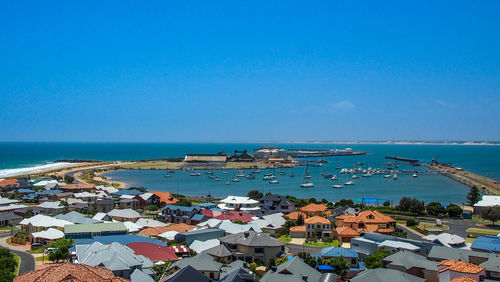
(77, 186)
(152, 251)
(463, 279)
(7, 182)
(346, 231)
(165, 197)
(448, 262)
(463, 267)
(317, 219)
(210, 213)
(301, 228)
(367, 217)
(385, 230)
(295, 215)
(236, 216)
(155, 231)
(314, 208)
(69, 272)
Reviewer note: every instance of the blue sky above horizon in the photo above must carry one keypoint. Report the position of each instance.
(249, 70)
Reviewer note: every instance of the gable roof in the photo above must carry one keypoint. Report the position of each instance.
(125, 213)
(293, 271)
(122, 239)
(346, 231)
(50, 234)
(252, 239)
(487, 243)
(41, 220)
(147, 222)
(8, 182)
(65, 271)
(219, 251)
(155, 231)
(51, 205)
(77, 217)
(409, 260)
(139, 276)
(77, 186)
(367, 216)
(384, 275)
(446, 239)
(460, 266)
(95, 227)
(187, 273)
(152, 251)
(165, 197)
(201, 262)
(114, 256)
(316, 219)
(314, 208)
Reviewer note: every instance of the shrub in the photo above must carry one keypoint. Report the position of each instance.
(411, 222)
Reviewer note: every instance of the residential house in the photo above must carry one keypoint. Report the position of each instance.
(9, 219)
(105, 205)
(318, 227)
(413, 264)
(250, 246)
(77, 218)
(69, 272)
(87, 231)
(164, 198)
(154, 252)
(452, 269)
(51, 208)
(492, 267)
(274, 203)
(181, 214)
(199, 234)
(447, 240)
(140, 276)
(367, 221)
(42, 222)
(198, 246)
(385, 275)
(121, 260)
(203, 262)
(78, 188)
(124, 215)
(236, 216)
(486, 202)
(237, 203)
(236, 272)
(147, 222)
(128, 204)
(46, 236)
(294, 270)
(441, 253)
(187, 273)
(271, 222)
(350, 256)
(155, 231)
(487, 244)
(220, 253)
(372, 241)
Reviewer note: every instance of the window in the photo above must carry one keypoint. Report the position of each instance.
(212, 275)
(259, 250)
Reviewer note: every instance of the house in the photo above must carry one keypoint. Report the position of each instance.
(198, 246)
(132, 228)
(140, 276)
(318, 227)
(102, 217)
(9, 184)
(487, 244)
(367, 221)
(486, 202)
(164, 198)
(42, 222)
(146, 223)
(492, 267)
(122, 239)
(155, 231)
(203, 263)
(132, 192)
(274, 203)
(78, 188)
(234, 228)
(154, 252)
(121, 260)
(294, 270)
(77, 218)
(271, 222)
(51, 208)
(128, 204)
(315, 210)
(372, 241)
(69, 272)
(187, 273)
(250, 246)
(199, 234)
(452, 269)
(237, 203)
(413, 264)
(220, 253)
(344, 210)
(235, 216)
(350, 256)
(9, 219)
(104, 205)
(124, 215)
(384, 275)
(181, 214)
(207, 205)
(237, 274)
(46, 236)
(440, 253)
(87, 231)
(447, 240)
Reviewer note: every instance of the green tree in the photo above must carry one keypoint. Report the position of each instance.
(375, 260)
(344, 202)
(454, 210)
(61, 247)
(435, 208)
(411, 205)
(300, 220)
(340, 266)
(281, 260)
(151, 207)
(411, 222)
(254, 194)
(492, 213)
(307, 258)
(184, 203)
(473, 196)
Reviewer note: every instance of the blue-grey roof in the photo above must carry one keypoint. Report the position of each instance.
(181, 208)
(25, 191)
(487, 243)
(122, 239)
(48, 192)
(384, 275)
(198, 216)
(201, 262)
(139, 276)
(206, 205)
(338, 252)
(128, 192)
(292, 271)
(28, 197)
(77, 217)
(187, 273)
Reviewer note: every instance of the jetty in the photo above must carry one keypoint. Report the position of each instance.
(308, 153)
(413, 161)
(487, 185)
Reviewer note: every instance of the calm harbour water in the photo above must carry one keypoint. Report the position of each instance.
(484, 160)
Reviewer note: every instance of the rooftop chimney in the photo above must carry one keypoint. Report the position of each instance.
(304, 277)
(274, 268)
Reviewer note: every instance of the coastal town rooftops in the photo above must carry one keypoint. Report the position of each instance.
(460, 266)
(125, 213)
(487, 243)
(338, 252)
(69, 272)
(153, 252)
(234, 228)
(78, 186)
(316, 219)
(122, 239)
(398, 245)
(446, 239)
(108, 189)
(236, 216)
(270, 221)
(49, 234)
(219, 251)
(252, 239)
(181, 208)
(201, 262)
(8, 182)
(384, 275)
(237, 200)
(410, 260)
(95, 227)
(311, 208)
(139, 275)
(155, 231)
(147, 222)
(187, 273)
(346, 231)
(294, 270)
(444, 253)
(5, 201)
(128, 192)
(41, 220)
(200, 246)
(77, 217)
(165, 197)
(367, 217)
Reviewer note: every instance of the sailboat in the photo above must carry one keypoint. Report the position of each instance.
(307, 184)
(291, 172)
(415, 175)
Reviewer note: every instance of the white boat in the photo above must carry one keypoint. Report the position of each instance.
(387, 176)
(167, 175)
(334, 177)
(395, 177)
(211, 176)
(337, 186)
(236, 180)
(349, 183)
(269, 177)
(367, 175)
(228, 183)
(195, 174)
(355, 176)
(256, 171)
(415, 175)
(240, 175)
(291, 175)
(307, 176)
(216, 179)
(250, 176)
(307, 185)
(275, 181)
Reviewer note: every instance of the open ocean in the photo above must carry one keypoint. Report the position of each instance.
(483, 160)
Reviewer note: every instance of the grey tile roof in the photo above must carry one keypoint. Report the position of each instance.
(139, 276)
(442, 253)
(77, 217)
(493, 263)
(188, 273)
(292, 271)
(201, 262)
(384, 275)
(125, 213)
(409, 260)
(252, 239)
(239, 274)
(219, 251)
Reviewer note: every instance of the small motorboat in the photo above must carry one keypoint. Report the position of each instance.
(307, 185)
(334, 177)
(211, 176)
(415, 175)
(195, 174)
(354, 176)
(338, 186)
(291, 175)
(167, 175)
(250, 176)
(256, 171)
(216, 179)
(387, 176)
(367, 175)
(275, 181)
(307, 176)
(395, 177)
(326, 175)
(349, 183)
(269, 177)
(236, 180)
(209, 172)
(228, 183)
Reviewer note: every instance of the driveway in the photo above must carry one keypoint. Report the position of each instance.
(295, 249)
(27, 260)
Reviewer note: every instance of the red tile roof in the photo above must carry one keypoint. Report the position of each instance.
(314, 208)
(368, 217)
(461, 266)
(7, 182)
(295, 215)
(301, 228)
(165, 197)
(210, 213)
(317, 219)
(346, 231)
(69, 272)
(236, 216)
(155, 231)
(77, 186)
(152, 251)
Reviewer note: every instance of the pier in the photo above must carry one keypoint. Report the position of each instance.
(487, 185)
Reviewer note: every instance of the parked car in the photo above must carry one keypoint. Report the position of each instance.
(50, 250)
(37, 245)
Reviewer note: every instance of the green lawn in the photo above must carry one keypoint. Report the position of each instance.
(322, 244)
(18, 263)
(285, 238)
(9, 228)
(482, 231)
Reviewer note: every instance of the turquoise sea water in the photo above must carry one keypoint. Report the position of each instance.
(484, 160)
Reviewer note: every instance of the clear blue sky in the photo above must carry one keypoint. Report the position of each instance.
(249, 70)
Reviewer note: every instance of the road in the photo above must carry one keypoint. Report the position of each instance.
(27, 260)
